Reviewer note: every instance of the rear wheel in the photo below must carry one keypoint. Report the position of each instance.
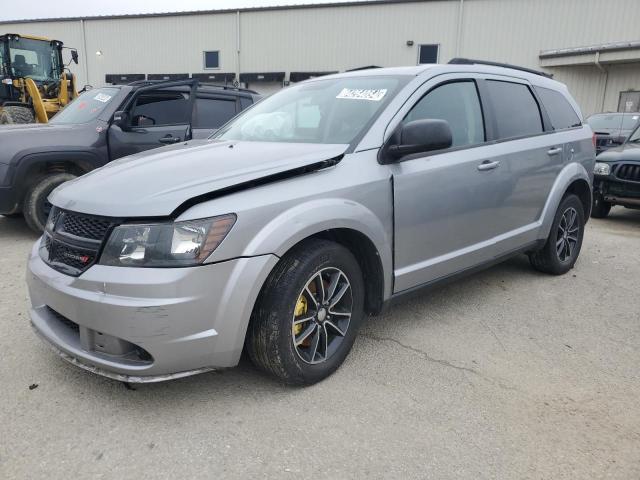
(13, 114)
(600, 208)
(308, 313)
(36, 206)
(562, 248)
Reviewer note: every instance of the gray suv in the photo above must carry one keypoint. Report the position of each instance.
(309, 211)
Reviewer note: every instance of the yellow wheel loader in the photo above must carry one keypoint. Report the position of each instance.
(35, 83)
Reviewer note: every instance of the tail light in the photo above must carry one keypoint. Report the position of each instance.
(593, 140)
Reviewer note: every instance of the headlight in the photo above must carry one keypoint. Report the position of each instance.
(602, 169)
(178, 244)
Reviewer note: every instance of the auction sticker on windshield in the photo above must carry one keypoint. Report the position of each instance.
(102, 97)
(374, 95)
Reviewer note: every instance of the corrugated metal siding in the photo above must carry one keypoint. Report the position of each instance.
(344, 37)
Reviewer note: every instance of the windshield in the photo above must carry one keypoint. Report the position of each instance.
(324, 111)
(613, 121)
(86, 107)
(36, 59)
(635, 136)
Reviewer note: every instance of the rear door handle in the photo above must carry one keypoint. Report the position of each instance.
(488, 165)
(554, 151)
(169, 139)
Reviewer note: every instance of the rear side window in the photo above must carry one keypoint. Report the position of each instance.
(213, 112)
(459, 105)
(516, 110)
(154, 109)
(560, 111)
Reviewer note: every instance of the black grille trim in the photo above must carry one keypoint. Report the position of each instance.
(628, 171)
(75, 240)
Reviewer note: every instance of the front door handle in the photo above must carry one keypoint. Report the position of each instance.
(488, 165)
(554, 151)
(170, 140)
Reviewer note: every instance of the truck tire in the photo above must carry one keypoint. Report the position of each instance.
(36, 206)
(14, 114)
(563, 245)
(600, 208)
(308, 313)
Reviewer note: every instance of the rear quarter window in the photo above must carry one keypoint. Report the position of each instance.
(213, 112)
(516, 110)
(561, 113)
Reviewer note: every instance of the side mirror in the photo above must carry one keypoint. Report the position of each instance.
(420, 136)
(74, 56)
(121, 119)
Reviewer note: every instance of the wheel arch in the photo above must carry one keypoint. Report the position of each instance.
(572, 179)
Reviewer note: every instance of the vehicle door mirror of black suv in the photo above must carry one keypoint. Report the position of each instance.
(419, 136)
(121, 119)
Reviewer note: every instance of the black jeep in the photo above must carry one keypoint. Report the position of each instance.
(101, 125)
(617, 177)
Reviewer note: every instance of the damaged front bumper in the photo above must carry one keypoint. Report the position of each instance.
(147, 324)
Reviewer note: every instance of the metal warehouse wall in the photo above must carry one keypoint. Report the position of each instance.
(342, 37)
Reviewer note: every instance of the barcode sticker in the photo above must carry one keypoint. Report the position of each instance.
(373, 95)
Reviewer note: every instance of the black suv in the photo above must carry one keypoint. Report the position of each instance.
(617, 177)
(101, 125)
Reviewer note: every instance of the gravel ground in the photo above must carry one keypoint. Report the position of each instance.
(506, 374)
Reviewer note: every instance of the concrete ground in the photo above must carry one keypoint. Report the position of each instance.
(506, 374)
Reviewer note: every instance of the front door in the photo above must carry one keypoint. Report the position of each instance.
(447, 203)
(156, 118)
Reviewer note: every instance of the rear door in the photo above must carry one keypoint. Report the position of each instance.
(157, 116)
(530, 156)
(211, 112)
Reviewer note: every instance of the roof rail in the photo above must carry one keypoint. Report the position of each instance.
(469, 61)
(143, 83)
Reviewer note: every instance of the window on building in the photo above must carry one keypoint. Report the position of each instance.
(213, 112)
(560, 111)
(459, 105)
(428, 54)
(516, 110)
(212, 59)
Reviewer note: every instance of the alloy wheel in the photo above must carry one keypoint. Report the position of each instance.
(322, 315)
(567, 235)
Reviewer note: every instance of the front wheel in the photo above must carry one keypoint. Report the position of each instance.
(600, 208)
(14, 114)
(563, 245)
(308, 313)
(36, 206)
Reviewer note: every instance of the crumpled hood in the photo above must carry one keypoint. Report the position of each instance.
(625, 152)
(156, 183)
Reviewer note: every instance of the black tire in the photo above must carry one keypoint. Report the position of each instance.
(13, 114)
(549, 259)
(600, 208)
(272, 332)
(36, 205)
(12, 215)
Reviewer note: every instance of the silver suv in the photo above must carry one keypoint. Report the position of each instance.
(307, 212)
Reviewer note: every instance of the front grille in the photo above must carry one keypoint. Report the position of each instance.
(628, 171)
(85, 227)
(72, 242)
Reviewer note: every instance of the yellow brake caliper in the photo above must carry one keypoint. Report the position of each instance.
(301, 309)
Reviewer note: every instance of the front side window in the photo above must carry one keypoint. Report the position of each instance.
(159, 108)
(516, 110)
(561, 113)
(459, 105)
(333, 111)
(86, 107)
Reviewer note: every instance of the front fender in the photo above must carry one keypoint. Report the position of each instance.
(568, 175)
(280, 233)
